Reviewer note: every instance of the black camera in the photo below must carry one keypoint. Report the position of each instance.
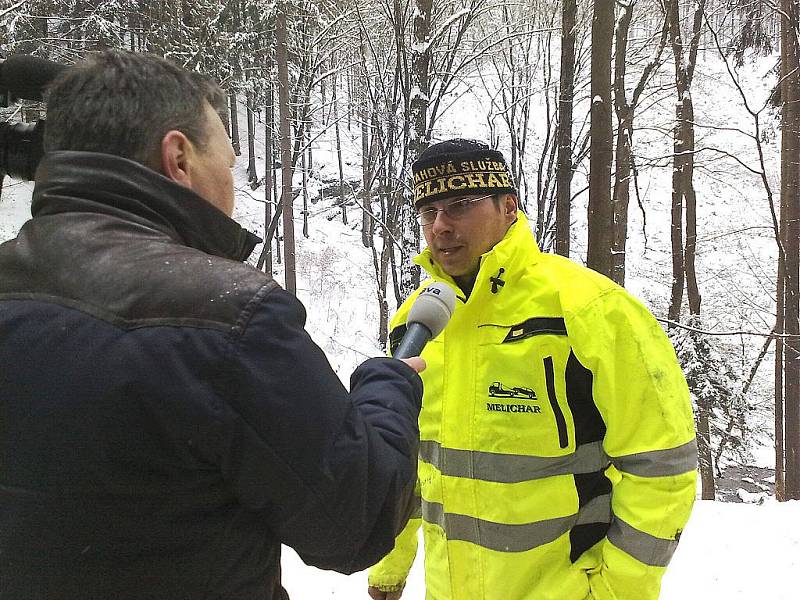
(22, 144)
(21, 149)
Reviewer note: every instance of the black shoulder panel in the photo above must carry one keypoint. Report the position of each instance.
(536, 326)
(582, 537)
(589, 424)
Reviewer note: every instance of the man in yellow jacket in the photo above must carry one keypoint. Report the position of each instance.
(558, 452)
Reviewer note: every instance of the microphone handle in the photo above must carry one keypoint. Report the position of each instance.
(414, 340)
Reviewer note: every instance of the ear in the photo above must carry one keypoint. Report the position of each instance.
(509, 207)
(176, 156)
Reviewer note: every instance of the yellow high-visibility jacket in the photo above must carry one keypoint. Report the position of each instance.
(558, 453)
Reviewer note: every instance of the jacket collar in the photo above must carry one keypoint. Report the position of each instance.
(516, 251)
(69, 181)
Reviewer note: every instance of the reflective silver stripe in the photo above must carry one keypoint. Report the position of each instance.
(506, 537)
(642, 546)
(597, 510)
(511, 468)
(659, 463)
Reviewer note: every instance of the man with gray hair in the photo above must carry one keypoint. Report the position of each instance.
(166, 423)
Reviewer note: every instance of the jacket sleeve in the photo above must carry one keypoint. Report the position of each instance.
(390, 574)
(642, 396)
(332, 472)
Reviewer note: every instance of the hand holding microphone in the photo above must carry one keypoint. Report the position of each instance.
(427, 318)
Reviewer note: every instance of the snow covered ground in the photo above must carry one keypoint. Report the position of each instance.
(727, 552)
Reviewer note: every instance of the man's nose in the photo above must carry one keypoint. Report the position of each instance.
(441, 223)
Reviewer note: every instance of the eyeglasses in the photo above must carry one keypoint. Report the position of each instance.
(455, 210)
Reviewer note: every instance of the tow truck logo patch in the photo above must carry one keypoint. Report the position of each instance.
(498, 390)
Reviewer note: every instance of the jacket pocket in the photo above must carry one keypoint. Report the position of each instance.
(550, 383)
(521, 403)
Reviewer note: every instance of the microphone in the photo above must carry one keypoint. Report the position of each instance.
(428, 316)
(27, 76)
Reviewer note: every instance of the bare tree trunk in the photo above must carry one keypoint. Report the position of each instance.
(349, 79)
(131, 27)
(334, 95)
(269, 176)
(780, 451)
(600, 221)
(252, 174)
(384, 265)
(277, 183)
(780, 317)
(704, 457)
(676, 230)
(419, 101)
(381, 265)
(625, 110)
(234, 124)
(277, 138)
(367, 177)
(790, 191)
(623, 150)
(304, 167)
(383, 320)
(686, 126)
(679, 161)
(565, 102)
(544, 191)
(621, 196)
(285, 119)
(683, 258)
(692, 289)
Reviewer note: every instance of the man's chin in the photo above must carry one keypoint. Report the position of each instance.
(453, 266)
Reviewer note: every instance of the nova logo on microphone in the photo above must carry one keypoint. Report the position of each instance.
(432, 289)
(427, 318)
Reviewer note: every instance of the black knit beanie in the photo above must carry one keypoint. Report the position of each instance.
(458, 167)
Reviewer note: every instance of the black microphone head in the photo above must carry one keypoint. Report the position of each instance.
(433, 307)
(28, 76)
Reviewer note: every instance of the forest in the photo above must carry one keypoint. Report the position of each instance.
(656, 141)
